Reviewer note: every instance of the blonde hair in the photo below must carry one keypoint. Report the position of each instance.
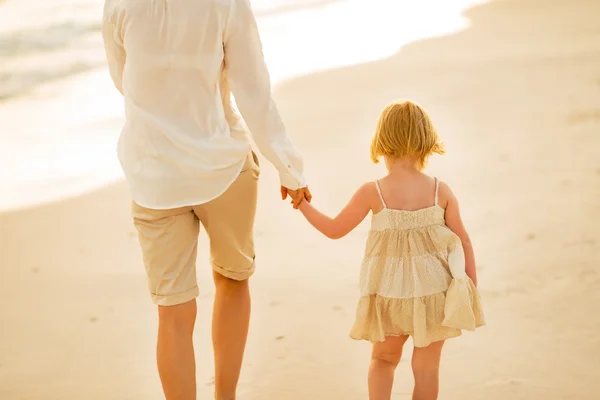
(405, 130)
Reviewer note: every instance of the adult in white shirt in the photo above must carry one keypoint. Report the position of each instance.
(188, 161)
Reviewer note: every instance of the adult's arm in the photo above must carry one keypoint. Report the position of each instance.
(250, 84)
(113, 43)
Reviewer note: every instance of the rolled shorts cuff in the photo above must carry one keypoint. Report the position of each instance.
(175, 299)
(236, 275)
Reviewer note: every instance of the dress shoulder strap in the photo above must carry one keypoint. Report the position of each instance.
(380, 195)
(437, 185)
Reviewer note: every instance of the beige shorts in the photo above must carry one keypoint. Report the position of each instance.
(169, 239)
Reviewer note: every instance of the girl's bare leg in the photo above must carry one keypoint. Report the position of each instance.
(426, 367)
(384, 360)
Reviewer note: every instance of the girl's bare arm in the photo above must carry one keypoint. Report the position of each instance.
(348, 219)
(455, 223)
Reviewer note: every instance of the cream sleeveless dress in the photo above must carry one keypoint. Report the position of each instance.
(413, 279)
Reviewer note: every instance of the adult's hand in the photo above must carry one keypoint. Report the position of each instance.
(298, 196)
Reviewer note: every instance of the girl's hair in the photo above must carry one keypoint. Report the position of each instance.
(405, 130)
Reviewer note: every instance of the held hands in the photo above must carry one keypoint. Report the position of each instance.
(297, 195)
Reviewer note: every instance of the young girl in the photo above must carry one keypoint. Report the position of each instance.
(418, 275)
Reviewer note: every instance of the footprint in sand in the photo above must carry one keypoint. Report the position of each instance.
(585, 116)
(584, 242)
(340, 310)
(504, 382)
(531, 236)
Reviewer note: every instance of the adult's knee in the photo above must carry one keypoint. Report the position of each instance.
(223, 282)
(179, 318)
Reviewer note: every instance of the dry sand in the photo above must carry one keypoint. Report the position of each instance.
(517, 99)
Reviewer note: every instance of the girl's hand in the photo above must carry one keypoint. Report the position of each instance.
(298, 196)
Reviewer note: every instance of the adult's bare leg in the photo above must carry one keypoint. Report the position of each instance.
(175, 351)
(231, 319)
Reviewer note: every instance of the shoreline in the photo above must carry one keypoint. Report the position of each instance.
(84, 111)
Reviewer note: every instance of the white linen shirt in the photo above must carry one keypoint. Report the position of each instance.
(174, 61)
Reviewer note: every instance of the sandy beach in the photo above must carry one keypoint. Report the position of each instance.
(516, 97)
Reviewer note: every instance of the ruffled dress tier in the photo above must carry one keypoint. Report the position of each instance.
(413, 279)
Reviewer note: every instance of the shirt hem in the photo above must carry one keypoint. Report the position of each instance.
(195, 202)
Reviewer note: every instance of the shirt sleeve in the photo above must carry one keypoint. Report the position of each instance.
(251, 86)
(113, 45)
